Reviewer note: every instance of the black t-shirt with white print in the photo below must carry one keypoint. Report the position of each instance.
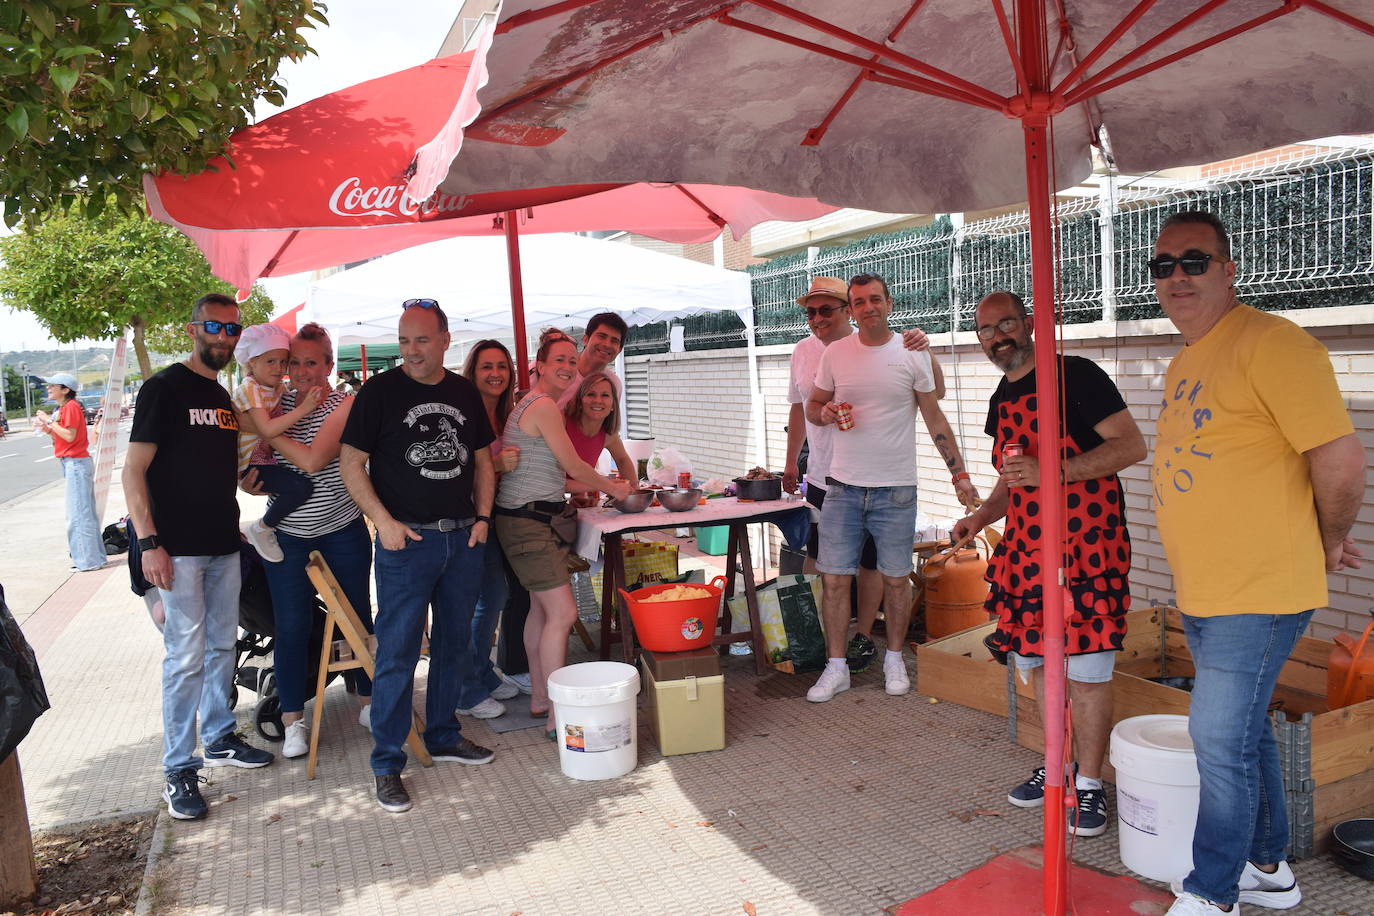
(193, 477)
(421, 441)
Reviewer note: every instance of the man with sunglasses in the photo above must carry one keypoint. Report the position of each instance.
(1100, 439)
(1254, 434)
(180, 480)
(871, 482)
(415, 460)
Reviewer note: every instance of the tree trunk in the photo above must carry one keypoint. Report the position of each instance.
(18, 874)
(145, 365)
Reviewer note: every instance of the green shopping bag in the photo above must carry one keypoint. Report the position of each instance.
(789, 609)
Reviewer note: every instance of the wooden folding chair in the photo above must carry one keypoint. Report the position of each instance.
(340, 616)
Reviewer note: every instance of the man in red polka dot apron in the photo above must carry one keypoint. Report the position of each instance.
(1099, 439)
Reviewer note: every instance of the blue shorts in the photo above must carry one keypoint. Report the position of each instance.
(888, 514)
(1090, 668)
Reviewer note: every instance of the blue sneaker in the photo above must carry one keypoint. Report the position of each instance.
(182, 795)
(1090, 817)
(233, 751)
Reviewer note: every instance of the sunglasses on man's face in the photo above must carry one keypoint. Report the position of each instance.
(230, 328)
(1194, 264)
(420, 303)
(824, 311)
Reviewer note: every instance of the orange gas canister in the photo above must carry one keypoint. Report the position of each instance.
(954, 591)
(1350, 670)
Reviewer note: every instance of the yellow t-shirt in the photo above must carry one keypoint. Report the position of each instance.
(1232, 493)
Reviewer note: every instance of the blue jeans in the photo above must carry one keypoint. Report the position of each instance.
(479, 678)
(888, 514)
(198, 668)
(289, 491)
(83, 527)
(348, 552)
(441, 571)
(1241, 813)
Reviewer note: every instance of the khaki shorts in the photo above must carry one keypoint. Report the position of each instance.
(539, 559)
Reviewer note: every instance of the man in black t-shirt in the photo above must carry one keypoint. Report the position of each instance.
(179, 479)
(415, 460)
(1099, 439)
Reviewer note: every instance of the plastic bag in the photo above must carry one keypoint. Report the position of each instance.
(666, 464)
(793, 634)
(22, 697)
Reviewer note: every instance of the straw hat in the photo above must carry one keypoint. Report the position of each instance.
(833, 287)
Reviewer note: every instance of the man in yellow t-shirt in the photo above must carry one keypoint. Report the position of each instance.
(1254, 435)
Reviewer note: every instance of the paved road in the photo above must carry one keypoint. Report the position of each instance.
(27, 462)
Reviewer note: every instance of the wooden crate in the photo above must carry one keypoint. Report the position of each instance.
(1328, 756)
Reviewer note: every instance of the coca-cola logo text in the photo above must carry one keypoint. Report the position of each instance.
(350, 198)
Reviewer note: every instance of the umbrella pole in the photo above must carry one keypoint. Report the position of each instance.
(1035, 124)
(517, 298)
(362, 358)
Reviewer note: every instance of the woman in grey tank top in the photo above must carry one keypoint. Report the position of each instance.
(527, 500)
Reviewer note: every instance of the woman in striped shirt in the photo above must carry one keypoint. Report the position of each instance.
(329, 522)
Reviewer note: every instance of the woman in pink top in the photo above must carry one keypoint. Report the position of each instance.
(68, 431)
(593, 422)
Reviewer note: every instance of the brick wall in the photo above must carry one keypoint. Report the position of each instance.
(699, 402)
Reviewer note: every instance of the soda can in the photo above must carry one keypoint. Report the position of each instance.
(1013, 450)
(684, 480)
(844, 416)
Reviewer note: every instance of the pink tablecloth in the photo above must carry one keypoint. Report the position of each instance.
(596, 522)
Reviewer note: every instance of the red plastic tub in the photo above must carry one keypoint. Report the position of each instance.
(674, 626)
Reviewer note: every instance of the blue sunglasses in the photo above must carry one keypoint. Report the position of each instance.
(231, 328)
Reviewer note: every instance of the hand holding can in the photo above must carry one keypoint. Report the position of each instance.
(844, 415)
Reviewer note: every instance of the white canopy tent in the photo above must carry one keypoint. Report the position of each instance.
(566, 278)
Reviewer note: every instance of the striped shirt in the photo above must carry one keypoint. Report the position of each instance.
(538, 476)
(329, 507)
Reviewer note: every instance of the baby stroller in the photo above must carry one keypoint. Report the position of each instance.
(257, 628)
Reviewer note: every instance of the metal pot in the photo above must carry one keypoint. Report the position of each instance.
(760, 490)
(1353, 846)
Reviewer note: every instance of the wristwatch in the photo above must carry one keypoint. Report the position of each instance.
(483, 518)
(151, 542)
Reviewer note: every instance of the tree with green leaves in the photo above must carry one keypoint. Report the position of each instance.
(98, 277)
(97, 93)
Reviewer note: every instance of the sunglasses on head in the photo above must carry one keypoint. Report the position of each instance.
(1194, 264)
(824, 310)
(231, 328)
(420, 303)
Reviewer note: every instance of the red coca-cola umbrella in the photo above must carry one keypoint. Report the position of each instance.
(917, 106)
(330, 182)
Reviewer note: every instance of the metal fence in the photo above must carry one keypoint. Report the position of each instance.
(1302, 233)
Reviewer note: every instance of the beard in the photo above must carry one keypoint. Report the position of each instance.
(214, 357)
(1009, 360)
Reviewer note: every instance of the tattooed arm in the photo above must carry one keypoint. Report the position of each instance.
(943, 437)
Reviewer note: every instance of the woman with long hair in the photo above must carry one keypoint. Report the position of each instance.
(592, 419)
(529, 499)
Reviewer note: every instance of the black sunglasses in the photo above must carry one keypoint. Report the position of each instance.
(1194, 264)
(1006, 326)
(420, 303)
(231, 328)
(825, 310)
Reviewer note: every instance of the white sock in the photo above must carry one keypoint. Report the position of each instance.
(893, 658)
(1084, 783)
(837, 664)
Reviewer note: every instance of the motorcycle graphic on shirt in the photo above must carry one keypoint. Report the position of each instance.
(444, 456)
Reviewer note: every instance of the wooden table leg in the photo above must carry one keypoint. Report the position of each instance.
(610, 550)
(739, 537)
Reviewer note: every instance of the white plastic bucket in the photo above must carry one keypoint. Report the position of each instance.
(1156, 795)
(594, 719)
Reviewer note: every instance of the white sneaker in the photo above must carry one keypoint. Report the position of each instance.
(1278, 891)
(487, 709)
(521, 682)
(1193, 905)
(297, 740)
(365, 717)
(507, 691)
(896, 682)
(264, 541)
(831, 682)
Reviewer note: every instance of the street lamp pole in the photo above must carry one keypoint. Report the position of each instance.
(24, 379)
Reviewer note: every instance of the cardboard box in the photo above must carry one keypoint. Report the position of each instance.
(1327, 756)
(674, 666)
(686, 715)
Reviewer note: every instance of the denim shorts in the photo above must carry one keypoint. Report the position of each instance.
(815, 497)
(886, 513)
(1089, 668)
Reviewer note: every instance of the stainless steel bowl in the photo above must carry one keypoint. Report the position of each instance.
(636, 501)
(680, 499)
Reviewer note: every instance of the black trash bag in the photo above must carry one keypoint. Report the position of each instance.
(22, 697)
(116, 541)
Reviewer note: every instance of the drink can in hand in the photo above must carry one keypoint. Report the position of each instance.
(844, 415)
(1013, 450)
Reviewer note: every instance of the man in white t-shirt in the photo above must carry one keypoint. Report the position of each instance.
(871, 486)
(601, 344)
(827, 315)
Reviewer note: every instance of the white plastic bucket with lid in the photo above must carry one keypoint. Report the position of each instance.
(1156, 795)
(594, 719)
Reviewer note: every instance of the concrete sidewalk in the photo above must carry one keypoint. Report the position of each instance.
(851, 806)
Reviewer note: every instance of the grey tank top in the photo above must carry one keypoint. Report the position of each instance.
(538, 475)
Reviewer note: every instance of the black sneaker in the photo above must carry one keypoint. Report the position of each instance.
(392, 794)
(858, 655)
(233, 751)
(182, 795)
(464, 752)
(1090, 817)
